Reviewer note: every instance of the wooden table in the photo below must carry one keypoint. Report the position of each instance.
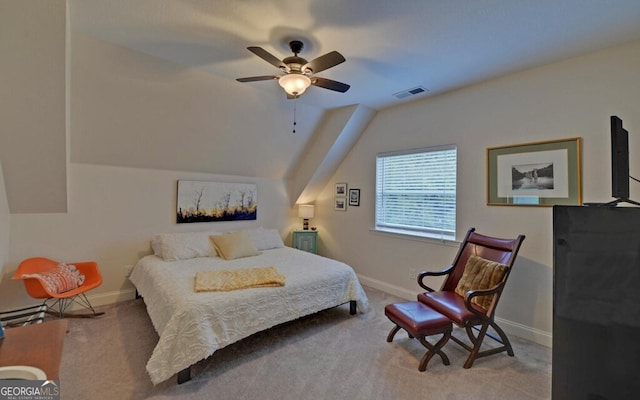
(36, 345)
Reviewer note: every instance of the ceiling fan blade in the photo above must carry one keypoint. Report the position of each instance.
(330, 84)
(324, 62)
(258, 78)
(268, 57)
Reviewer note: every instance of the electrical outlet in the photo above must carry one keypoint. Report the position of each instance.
(412, 274)
(127, 270)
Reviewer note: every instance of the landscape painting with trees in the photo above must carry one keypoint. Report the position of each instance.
(200, 201)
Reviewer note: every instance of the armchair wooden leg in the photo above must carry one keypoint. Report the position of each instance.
(477, 343)
(504, 339)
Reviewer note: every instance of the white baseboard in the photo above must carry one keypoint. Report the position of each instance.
(388, 288)
(510, 327)
(112, 297)
(525, 332)
(102, 299)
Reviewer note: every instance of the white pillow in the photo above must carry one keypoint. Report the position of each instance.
(183, 246)
(265, 239)
(156, 245)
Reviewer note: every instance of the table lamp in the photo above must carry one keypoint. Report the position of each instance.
(305, 211)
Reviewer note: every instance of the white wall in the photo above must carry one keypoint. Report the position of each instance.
(569, 99)
(5, 219)
(32, 104)
(113, 212)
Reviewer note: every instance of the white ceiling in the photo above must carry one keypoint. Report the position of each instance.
(390, 46)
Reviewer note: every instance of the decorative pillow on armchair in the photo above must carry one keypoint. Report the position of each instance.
(480, 274)
(59, 279)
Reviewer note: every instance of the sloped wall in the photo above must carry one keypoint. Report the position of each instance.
(33, 143)
(132, 109)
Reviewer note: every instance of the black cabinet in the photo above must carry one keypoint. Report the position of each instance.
(596, 303)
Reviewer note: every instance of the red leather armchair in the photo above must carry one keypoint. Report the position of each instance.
(463, 308)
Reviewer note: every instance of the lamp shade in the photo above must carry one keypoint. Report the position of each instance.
(305, 211)
(294, 84)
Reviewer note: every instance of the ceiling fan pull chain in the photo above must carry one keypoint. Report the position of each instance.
(295, 102)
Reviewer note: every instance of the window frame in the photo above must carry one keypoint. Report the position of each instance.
(439, 233)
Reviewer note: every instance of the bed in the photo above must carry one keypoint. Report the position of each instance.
(193, 325)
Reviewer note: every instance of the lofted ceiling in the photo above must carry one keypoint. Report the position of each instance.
(390, 46)
(152, 83)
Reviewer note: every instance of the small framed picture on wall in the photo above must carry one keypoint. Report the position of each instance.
(354, 197)
(341, 190)
(340, 204)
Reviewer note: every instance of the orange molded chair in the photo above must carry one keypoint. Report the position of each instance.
(462, 310)
(63, 300)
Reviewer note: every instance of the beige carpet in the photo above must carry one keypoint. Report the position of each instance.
(330, 355)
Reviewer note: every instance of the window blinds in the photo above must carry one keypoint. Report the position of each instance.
(416, 192)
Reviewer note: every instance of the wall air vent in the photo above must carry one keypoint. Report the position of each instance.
(410, 92)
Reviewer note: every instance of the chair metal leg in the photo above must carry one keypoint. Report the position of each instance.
(84, 301)
(59, 306)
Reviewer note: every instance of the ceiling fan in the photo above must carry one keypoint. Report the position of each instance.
(298, 72)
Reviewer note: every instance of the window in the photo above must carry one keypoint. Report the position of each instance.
(416, 192)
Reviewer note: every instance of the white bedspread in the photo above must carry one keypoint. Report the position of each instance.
(193, 325)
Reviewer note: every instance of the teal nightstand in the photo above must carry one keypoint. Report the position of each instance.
(306, 241)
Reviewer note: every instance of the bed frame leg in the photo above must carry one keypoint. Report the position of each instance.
(184, 375)
(352, 307)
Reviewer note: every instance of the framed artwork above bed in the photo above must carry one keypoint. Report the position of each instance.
(201, 201)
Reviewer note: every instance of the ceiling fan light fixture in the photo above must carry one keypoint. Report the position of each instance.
(298, 72)
(294, 84)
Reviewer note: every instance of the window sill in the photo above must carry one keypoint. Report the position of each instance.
(415, 237)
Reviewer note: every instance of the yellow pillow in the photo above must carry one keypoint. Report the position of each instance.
(480, 274)
(234, 245)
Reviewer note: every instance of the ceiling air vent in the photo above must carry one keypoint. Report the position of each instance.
(410, 92)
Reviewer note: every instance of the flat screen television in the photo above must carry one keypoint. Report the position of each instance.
(619, 160)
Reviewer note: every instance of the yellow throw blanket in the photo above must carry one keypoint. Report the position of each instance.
(226, 280)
